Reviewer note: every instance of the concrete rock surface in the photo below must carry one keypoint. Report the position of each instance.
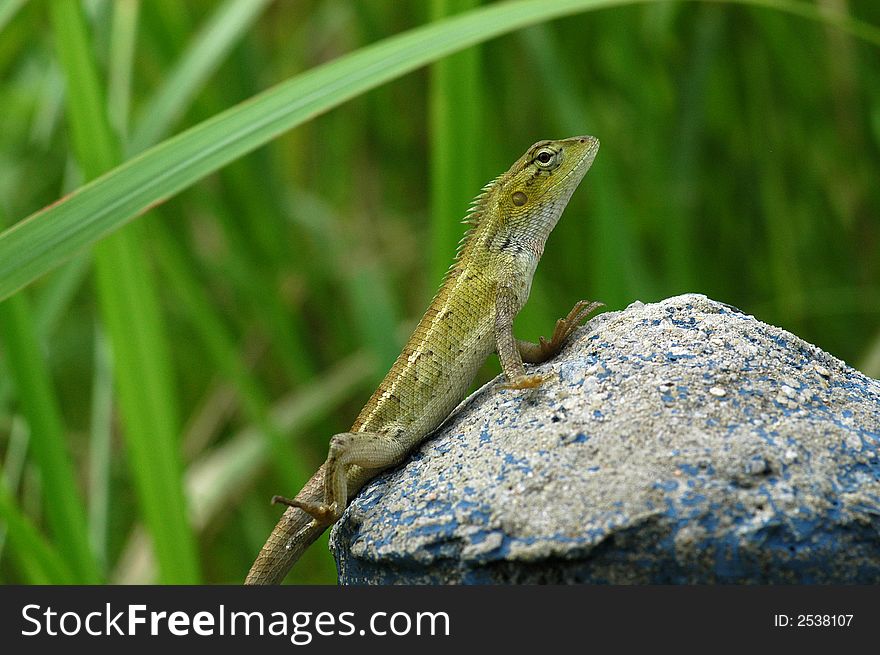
(676, 442)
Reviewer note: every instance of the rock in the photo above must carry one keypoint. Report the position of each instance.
(678, 442)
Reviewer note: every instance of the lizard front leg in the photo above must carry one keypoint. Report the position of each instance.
(513, 352)
(506, 344)
(370, 451)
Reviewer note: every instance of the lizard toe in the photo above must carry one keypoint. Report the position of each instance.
(526, 382)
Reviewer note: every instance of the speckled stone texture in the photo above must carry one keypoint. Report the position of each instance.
(677, 442)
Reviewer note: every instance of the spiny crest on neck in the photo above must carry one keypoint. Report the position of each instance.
(476, 212)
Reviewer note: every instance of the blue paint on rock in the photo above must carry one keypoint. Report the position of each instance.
(664, 488)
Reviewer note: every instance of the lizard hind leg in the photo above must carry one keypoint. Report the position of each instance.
(320, 512)
(368, 450)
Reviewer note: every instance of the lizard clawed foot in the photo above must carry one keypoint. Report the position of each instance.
(565, 326)
(526, 382)
(320, 512)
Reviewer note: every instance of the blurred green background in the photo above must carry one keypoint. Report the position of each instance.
(156, 390)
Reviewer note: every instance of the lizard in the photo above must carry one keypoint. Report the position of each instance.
(470, 317)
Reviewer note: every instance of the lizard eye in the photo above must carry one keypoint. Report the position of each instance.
(545, 158)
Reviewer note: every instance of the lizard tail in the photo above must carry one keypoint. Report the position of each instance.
(294, 532)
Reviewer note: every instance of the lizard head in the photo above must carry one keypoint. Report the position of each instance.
(516, 211)
(527, 201)
(547, 174)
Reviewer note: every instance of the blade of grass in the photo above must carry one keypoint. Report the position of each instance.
(215, 39)
(130, 310)
(177, 92)
(122, 40)
(288, 338)
(366, 286)
(206, 50)
(455, 110)
(870, 361)
(209, 417)
(45, 239)
(251, 221)
(64, 506)
(767, 128)
(38, 561)
(100, 438)
(55, 296)
(8, 9)
(216, 481)
(13, 465)
(225, 354)
(49, 108)
(612, 238)
(680, 223)
(50, 305)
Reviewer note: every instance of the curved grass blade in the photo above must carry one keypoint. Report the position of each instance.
(205, 53)
(46, 238)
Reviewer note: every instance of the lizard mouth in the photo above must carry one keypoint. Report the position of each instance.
(583, 163)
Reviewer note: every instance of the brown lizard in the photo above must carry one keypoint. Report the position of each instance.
(470, 317)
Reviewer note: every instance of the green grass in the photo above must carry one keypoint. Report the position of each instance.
(39, 405)
(188, 318)
(128, 301)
